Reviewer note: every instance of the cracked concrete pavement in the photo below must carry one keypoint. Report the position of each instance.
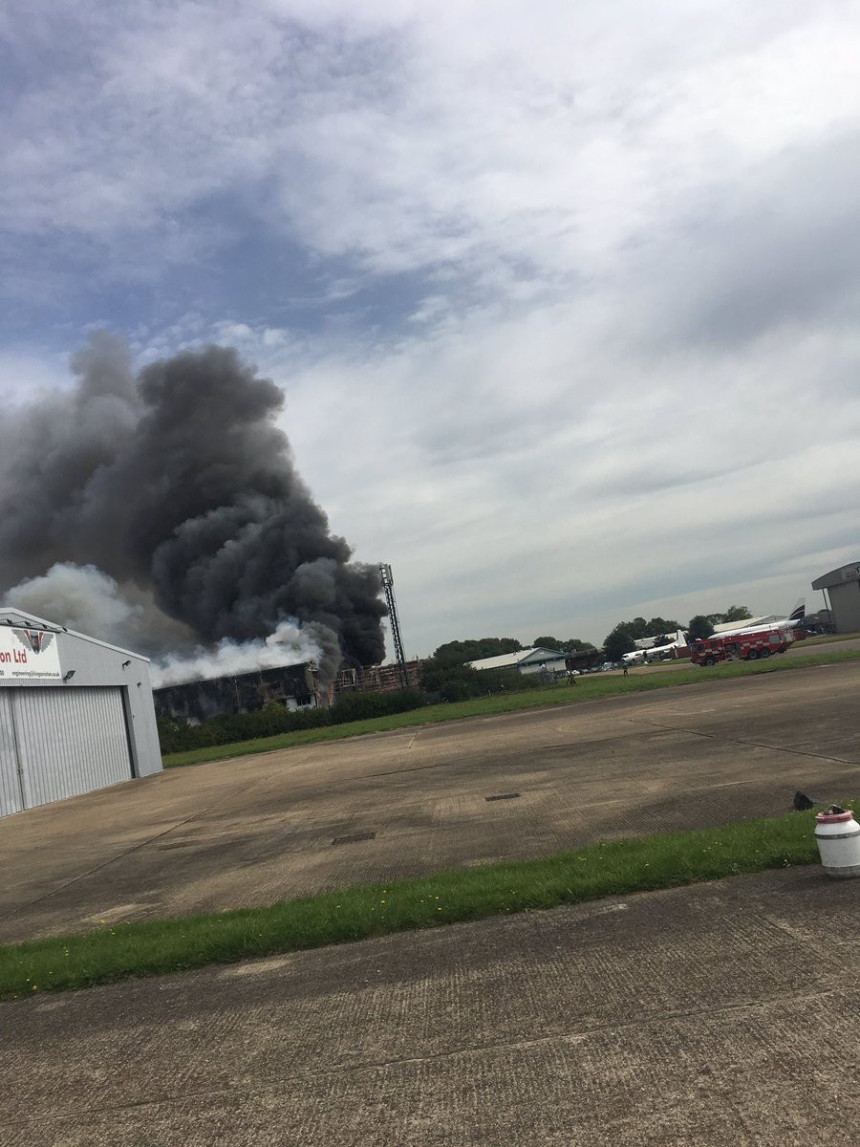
(715, 1015)
(255, 830)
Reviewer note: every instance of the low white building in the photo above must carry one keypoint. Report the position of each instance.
(76, 714)
(535, 660)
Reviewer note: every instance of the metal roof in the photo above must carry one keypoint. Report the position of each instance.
(513, 660)
(10, 616)
(838, 577)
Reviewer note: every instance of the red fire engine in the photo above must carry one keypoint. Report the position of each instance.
(749, 645)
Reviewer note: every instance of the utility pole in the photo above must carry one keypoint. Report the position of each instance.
(388, 588)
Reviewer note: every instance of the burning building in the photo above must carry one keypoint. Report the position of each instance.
(293, 686)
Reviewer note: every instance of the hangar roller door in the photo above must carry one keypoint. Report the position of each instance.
(69, 741)
(11, 797)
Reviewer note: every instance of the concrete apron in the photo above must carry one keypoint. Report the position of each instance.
(719, 1014)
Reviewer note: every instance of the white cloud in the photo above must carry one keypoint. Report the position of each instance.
(24, 373)
(418, 136)
(602, 472)
(234, 332)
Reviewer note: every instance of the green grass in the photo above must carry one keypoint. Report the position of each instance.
(119, 951)
(830, 638)
(588, 688)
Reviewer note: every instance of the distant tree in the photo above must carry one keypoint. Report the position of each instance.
(658, 626)
(737, 613)
(571, 645)
(626, 633)
(700, 626)
(457, 682)
(618, 642)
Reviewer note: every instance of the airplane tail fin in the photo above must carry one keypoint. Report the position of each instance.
(799, 611)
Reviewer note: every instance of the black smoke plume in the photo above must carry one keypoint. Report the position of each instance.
(177, 484)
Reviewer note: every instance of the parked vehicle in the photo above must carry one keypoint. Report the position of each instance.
(748, 645)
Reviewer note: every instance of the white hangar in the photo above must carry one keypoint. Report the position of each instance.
(76, 714)
(535, 660)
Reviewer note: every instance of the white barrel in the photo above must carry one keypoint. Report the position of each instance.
(838, 836)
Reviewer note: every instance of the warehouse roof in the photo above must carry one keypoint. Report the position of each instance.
(515, 660)
(837, 577)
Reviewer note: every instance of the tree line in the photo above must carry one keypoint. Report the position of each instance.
(447, 674)
(476, 649)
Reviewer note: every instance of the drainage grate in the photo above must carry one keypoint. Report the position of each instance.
(355, 838)
(503, 797)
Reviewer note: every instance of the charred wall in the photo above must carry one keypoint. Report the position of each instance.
(293, 686)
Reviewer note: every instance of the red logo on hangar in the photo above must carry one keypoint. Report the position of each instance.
(35, 640)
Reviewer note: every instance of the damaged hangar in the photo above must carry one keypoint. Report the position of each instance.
(293, 686)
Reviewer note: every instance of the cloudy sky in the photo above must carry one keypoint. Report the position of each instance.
(563, 297)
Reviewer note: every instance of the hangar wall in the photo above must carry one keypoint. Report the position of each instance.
(845, 606)
(842, 587)
(76, 714)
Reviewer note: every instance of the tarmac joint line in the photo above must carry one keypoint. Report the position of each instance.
(463, 1051)
(743, 742)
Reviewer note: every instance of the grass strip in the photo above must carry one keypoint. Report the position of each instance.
(588, 688)
(117, 951)
(829, 638)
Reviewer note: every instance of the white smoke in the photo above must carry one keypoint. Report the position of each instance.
(86, 599)
(82, 596)
(290, 644)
